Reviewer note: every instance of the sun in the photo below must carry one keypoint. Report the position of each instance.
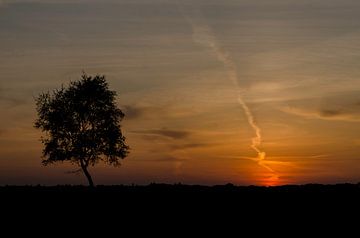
(272, 180)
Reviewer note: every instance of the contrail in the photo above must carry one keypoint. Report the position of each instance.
(203, 35)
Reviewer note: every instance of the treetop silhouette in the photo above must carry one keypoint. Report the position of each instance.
(82, 124)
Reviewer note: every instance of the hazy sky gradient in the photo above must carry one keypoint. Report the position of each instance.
(298, 71)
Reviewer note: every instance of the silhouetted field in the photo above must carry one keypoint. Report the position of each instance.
(184, 189)
(155, 187)
(166, 192)
(146, 204)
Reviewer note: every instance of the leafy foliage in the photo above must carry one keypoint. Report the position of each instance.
(82, 123)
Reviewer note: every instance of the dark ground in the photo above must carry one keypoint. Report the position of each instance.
(165, 193)
(183, 208)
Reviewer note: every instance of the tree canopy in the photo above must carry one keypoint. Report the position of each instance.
(82, 124)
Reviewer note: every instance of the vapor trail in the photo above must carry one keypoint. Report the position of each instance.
(203, 35)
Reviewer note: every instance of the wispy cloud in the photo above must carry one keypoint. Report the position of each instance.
(173, 134)
(191, 145)
(323, 114)
(330, 112)
(338, 106)
(7, 2)
(8, 97)
(133, 112)
(73, 1)
(44, 1)
(11, 100)
(167, 159)
(168, 110)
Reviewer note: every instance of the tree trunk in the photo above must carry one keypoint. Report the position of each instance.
(88, 176)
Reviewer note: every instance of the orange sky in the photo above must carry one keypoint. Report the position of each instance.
(179, 68)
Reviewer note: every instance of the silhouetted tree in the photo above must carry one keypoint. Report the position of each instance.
(82, 124)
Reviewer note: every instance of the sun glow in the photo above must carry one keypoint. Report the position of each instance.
(272, 180)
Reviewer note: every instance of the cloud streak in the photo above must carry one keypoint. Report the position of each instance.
(156, 111)
(322, 114)
(191, 146)
(133, 112)
(340, 106)
(202, 34)
(8, 97)
(172, 134)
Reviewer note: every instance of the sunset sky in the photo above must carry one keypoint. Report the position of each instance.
(186, 72)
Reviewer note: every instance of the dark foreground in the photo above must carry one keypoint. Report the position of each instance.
(164, 193)
(183, 188)
(183, 206)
